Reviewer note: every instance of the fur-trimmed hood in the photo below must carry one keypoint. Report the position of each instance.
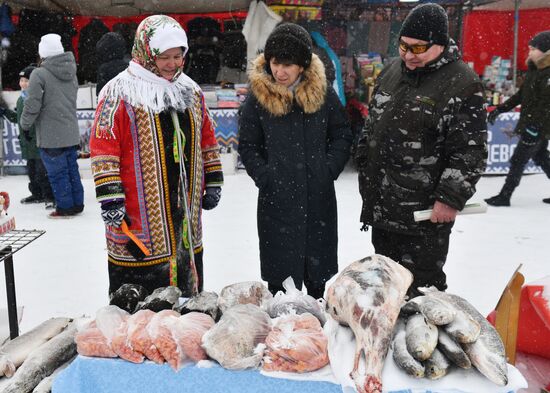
(310, 93)
(544, 61)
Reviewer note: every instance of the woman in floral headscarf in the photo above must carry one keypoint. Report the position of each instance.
(155, 163)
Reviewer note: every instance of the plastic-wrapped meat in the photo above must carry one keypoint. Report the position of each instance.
(91, 342)
(160, 329)
(109, 319)
(161, 299)
(128, 296)
(367, 296)
(139, 337)
(296, 344)
(188, 332)
(294, 301)
(248, 292)
(237, 340)
(99, 342)
(122, 347)
(205, 302)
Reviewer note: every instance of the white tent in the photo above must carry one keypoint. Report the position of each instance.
(123, 8)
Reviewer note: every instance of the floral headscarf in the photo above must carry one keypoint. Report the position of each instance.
(154, 35)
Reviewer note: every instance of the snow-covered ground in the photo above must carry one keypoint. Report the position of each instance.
(64, 273)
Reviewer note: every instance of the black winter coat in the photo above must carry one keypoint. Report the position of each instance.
(87, 59)
(424, 140)
(294, 147)
(534, 98)
(110, 51)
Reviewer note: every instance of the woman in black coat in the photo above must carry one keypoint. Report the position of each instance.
(294, 140)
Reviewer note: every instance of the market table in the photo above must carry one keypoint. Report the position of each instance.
(97, 375)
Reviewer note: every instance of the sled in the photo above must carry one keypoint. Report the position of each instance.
(507, 314)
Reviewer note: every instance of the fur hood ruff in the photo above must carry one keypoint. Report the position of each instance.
(544, 61)
(310, 93)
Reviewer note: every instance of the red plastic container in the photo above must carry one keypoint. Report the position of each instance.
(534, 320)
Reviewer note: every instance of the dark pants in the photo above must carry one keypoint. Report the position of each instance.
(62, 169)
(526, 149)
(39, 185)
(423, 255)
(152, 277)
(314, 289)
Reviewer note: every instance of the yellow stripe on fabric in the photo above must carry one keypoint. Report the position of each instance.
(191, 161)
(164, 170)
(110, 179)
(215, 168)
(174, 272)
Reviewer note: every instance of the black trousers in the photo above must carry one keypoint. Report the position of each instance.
(526, 149)
(153, 277)
(39, 184)
(424, 255)
(314, 289)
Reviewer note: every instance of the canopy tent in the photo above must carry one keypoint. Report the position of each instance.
(494, 29)
(125, 8)
(509, 5)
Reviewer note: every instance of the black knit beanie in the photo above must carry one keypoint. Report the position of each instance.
(541, 41)
(289, 42)
(26, 72)
(427, 22)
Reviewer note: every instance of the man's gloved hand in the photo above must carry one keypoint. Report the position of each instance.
(2, 111)
(491, 117)
(113, 213)
(211, 197)
(530, 135)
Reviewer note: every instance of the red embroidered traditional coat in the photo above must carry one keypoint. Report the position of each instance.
(129, 162)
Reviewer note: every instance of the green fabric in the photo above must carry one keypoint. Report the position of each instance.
(29, 150)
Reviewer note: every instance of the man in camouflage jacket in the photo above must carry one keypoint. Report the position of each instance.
(423, 146)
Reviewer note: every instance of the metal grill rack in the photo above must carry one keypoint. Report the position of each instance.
(10, 243)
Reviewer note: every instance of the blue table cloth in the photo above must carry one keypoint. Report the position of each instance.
(95, 375)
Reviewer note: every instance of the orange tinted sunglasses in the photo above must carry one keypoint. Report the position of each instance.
(417, 49)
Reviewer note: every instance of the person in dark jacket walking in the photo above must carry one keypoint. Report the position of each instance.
(51, 108)
(294, 140)
(111, 52)
(423, 146)
(534, 121)
(39, 185)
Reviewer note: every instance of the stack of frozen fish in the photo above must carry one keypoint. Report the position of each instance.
(438, 330)
(30, 362)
